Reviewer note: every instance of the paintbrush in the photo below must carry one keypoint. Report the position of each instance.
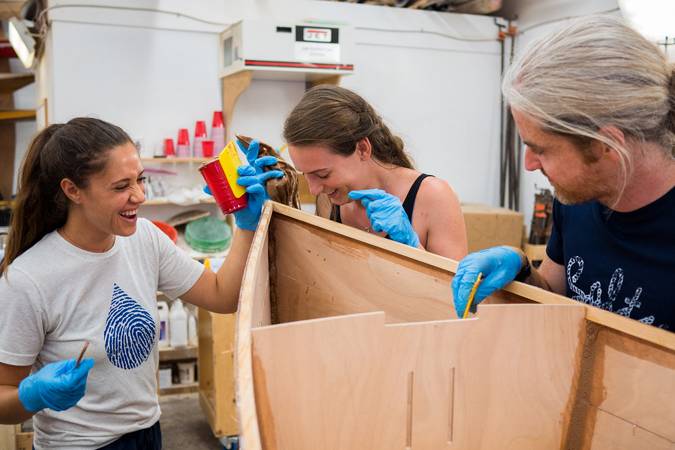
(472, 294)
(84, 349)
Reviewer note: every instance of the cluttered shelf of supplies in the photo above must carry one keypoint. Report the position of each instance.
(178, 353)
(10, 82)
(178, 350)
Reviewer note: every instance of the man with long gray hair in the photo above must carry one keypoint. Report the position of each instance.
(595, 106)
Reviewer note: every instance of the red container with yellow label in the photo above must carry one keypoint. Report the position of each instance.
(221, 178)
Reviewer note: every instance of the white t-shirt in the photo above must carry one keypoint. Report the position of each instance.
(55, 296)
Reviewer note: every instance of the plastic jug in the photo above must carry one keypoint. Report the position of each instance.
(163, 309)
(178, 324)
(192, 330)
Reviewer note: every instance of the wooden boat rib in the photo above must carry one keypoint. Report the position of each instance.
(348, 340)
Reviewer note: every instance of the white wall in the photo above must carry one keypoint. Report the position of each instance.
(152, 74)
(149, 73)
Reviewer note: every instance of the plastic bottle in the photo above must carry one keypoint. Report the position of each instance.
(218, 131)
(163, 324)
(178, 324)
(192, 329)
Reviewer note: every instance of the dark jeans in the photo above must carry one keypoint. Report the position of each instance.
(147, 439)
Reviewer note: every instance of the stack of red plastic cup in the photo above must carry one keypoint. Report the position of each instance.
(218, 131)
(207, 148)
(169, 150)
(200, 135)
(183, 147)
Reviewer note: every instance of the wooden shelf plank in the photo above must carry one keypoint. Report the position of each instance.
(24, 440)
(180, 389)
(17, 114)
(10, 82)
(178, 353)
(175, 160)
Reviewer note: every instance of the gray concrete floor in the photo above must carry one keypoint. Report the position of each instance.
(184, 425)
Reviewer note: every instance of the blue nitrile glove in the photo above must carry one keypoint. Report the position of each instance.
(253, 178)
(58, 386)
(499, 266)
(386, 213)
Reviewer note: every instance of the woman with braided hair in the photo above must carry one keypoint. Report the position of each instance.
(363, 176)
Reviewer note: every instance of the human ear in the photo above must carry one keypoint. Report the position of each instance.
(364, 149)
(613, 134)
(71, 191)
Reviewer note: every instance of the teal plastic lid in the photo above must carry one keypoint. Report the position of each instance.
(208, 235)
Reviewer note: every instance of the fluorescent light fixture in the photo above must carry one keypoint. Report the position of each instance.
(22, 41)
(652, 18)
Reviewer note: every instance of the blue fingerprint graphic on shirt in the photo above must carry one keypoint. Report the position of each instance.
(129, 331)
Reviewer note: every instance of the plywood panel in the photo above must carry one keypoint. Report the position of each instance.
(614, 433)
(633, 381)
(633, 329)
(325, 275)
(628, 379)
(354, 382)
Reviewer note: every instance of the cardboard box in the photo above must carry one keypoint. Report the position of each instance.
(488, 226)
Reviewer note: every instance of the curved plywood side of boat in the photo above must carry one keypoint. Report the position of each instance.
(310, 282)
(253, 311)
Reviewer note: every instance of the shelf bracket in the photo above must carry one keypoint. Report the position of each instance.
(233, 86)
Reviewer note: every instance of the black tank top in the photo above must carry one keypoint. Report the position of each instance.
(408, 203)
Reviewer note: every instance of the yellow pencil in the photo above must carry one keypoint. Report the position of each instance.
(472, 294)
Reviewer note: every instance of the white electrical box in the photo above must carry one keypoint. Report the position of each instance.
(286, 51)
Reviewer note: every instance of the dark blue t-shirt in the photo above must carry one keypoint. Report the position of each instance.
(621, 262)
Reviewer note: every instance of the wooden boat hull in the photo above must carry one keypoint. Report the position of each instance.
(347, 340)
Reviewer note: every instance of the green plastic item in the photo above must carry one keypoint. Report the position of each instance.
(208, 235)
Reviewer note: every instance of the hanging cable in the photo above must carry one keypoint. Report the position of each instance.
(179, 15)
(502, 156)
(514, 177)
(509, 177)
